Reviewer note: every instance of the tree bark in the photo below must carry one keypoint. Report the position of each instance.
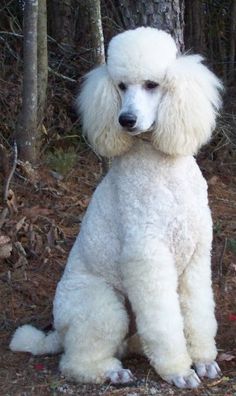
(42, 60)
(194, 27)
(167, 15)
(93, 8)
(97, 39)
(62, 20)
(26, 131)
(232, 49)
(92, 26)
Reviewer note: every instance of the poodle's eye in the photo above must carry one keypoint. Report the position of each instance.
(122, 86)
(149, 85)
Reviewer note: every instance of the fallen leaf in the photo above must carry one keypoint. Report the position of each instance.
(213, 180)
(20, 224)
(36, 211)
(11, 202)
(20, 248)
(51, 236)
(4, 239)
(218, 381)
(5, 246)
(232, 317)
(233, 266)
(83, 202)
(39, 367)
(227, 356)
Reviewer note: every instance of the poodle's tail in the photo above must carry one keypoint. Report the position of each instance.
(29, 339)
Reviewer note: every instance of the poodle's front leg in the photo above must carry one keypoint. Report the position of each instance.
(197, 305)
(150, 280)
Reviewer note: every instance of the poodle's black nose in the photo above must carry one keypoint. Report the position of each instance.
(127, 120)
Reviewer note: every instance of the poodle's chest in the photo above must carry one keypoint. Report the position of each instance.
(187, 222)
(172, 210)
(182, 236)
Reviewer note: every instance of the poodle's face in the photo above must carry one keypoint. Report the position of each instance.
(145, 86)
(136, 74)
(139, 104)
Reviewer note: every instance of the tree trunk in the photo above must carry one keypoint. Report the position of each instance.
(92, 24)
(42, 60)
(167, 15)
(232, 48)
(194, 28)
(94, 10)
(62, 20)
(26, 131)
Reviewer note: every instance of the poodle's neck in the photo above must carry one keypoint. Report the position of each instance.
(147, 137)
(144, 148)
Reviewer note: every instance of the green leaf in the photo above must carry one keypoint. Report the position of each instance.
(231, 244)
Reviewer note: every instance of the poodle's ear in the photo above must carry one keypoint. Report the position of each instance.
(99, 105)
(188, 108)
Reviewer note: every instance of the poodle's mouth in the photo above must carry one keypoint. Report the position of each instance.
(136, 131)
(133, 132)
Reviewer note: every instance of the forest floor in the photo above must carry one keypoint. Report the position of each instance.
(45, 217)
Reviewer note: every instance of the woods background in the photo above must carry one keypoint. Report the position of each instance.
(68, 41)
(48, 172)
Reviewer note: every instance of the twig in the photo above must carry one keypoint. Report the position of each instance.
(11, 33)
(61, 75)
(147, 378)
(6, 5)
(4, 160)
(10, 49)
(3, 216)
(106, 389)
(221, 263)
(93, 150)
(6, 189)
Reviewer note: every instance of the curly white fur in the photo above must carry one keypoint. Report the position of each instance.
(147, 232)
(187, 112)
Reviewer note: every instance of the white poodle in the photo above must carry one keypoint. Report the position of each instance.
(147, 233)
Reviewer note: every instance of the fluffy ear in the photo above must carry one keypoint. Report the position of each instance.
(99, 105)
(188, 108)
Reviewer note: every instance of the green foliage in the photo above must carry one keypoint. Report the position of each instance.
(217, 228)
(231, 243)
(62, 161)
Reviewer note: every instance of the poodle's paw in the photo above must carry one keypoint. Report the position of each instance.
(122, 376)
(209, 370)
(190, 380)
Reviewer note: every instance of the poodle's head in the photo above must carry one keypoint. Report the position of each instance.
(145, 86)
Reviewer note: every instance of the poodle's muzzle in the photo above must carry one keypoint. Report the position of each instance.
(127, 120)
(138, 108)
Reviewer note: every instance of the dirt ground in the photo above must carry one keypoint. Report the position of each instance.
(45, 215)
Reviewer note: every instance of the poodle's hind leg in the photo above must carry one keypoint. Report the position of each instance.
(99, 324)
